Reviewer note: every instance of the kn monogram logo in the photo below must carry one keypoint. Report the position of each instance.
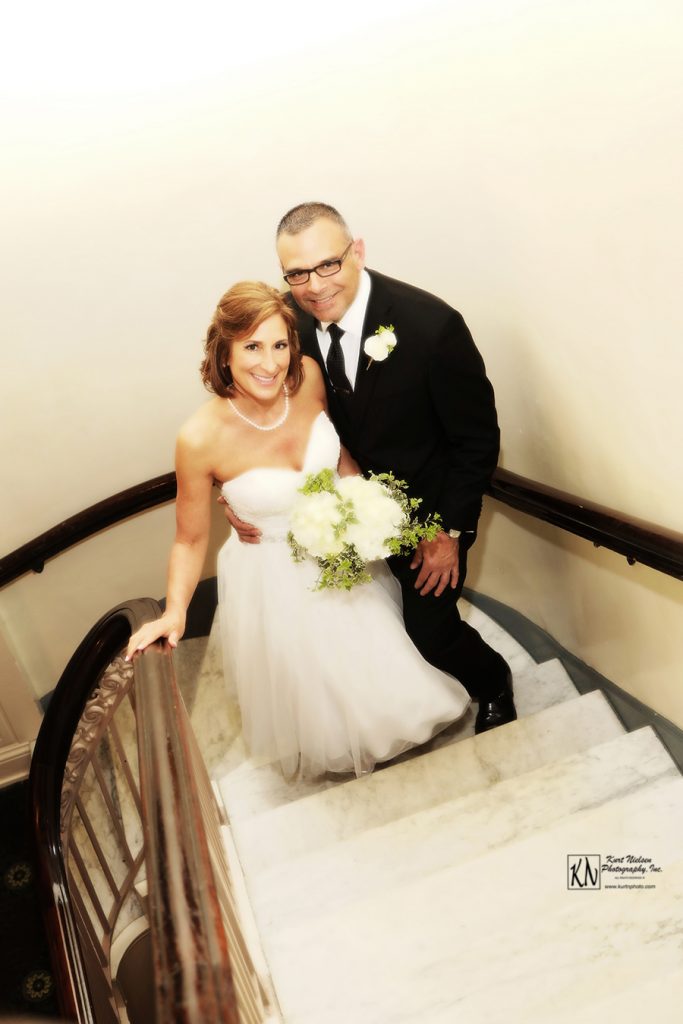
(583, 871)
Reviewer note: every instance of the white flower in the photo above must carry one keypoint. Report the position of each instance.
(380, 344)
(380, 516)
(313, 520)
(344, 524)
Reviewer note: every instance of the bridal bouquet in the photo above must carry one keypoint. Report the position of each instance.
(345, 523)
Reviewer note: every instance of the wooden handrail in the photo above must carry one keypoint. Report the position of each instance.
(204, 967)
(31, 557)
(193, 977)
(638, 540)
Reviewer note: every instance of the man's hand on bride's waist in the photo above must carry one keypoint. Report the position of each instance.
(247, 533)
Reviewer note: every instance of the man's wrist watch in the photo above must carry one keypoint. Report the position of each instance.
(454, 534)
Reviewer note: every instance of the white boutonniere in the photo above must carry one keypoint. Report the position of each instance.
(380, 345)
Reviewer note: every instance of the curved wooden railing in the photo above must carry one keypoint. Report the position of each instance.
(192, 972)
(32, 556)
(98, 871)
(637, 540)
(48, 766)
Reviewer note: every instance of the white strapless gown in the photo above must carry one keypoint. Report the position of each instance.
(327, 681)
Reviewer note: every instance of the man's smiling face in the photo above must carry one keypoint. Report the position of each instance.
(325, 298)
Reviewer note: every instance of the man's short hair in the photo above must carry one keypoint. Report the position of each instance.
(302, 216)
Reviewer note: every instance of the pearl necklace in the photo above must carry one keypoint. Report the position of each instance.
(259, 426)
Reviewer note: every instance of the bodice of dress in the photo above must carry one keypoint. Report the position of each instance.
(264, 496)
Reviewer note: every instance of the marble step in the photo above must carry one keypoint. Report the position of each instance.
(536, 687)
(517, 657)
(399, 790)
(249, 789)
(658, 1000)
(441, 776)
(549, 684)
(498, 939)
(394, 854)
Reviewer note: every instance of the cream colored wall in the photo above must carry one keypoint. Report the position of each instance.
(522, 159)
(44, 617)
(623, 620)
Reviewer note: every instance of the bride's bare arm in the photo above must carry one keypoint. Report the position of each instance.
(347, 464)
(193, 511)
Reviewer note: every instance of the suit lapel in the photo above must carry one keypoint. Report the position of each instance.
(378, 313)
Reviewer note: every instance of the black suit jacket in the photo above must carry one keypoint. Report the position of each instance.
(427, 412)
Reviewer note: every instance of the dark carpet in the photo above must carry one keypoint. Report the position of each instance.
(26, 983)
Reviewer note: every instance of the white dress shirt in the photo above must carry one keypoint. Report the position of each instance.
(352, 326)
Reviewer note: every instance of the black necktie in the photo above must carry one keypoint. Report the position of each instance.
(335, 362)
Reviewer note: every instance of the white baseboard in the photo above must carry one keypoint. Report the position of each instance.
(15, 761)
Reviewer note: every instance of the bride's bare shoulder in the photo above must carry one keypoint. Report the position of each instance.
(313, 377)
(198, 433)
(311, 368)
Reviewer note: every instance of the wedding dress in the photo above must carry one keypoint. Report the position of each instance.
(328, 680)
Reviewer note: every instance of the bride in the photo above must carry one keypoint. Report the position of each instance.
(327, 681)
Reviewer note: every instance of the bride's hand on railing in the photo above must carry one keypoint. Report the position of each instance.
(170, 626)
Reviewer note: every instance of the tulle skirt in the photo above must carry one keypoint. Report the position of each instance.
(327, 681)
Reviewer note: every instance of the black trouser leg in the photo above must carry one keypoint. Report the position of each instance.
(443, 639)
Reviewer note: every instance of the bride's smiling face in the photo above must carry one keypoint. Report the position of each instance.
(259, 362)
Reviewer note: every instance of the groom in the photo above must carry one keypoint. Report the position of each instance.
(423, 409)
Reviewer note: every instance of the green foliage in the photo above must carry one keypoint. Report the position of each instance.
(347, 569)
(342, 571)
(317, 482)
(298, 552)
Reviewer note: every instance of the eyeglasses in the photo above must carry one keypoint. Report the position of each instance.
(326, 269)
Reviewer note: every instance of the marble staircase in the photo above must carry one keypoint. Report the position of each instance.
(439, 889)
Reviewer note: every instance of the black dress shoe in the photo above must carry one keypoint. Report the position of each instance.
(495, 711)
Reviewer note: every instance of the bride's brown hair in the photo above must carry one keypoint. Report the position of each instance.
(240, 311)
